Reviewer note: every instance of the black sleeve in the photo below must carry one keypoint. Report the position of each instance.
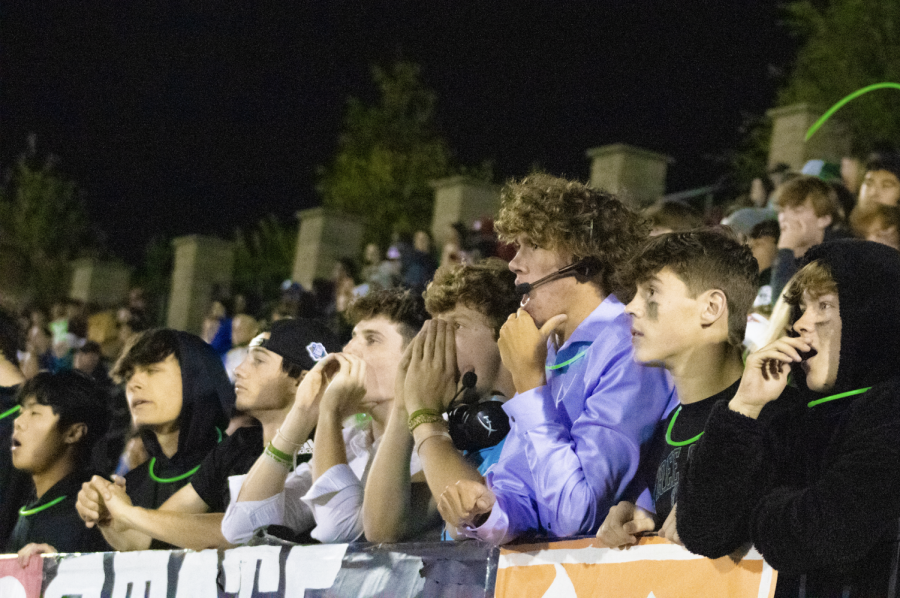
(207, 482)
(721, 484)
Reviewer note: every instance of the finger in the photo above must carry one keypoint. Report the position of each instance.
(639, 525)
(450, 348)
(430, 339)
(418, 349)
(552, 324)
(118, 480)
(440, 339)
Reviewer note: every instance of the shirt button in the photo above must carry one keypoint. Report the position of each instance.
(512, 419)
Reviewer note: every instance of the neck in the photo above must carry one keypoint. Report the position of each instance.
(10, 375)
(167, 436)
(584, 298)
(705, 371)
(380, 414)
(503, 383)
(46, 479)
(271, 420)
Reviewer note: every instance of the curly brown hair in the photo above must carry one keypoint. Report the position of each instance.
(704, 259)
(569, 216)
(487, 287)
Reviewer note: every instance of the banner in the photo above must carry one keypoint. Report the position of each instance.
(655, 568)
(451, 569)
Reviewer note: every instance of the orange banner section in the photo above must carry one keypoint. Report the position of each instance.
(654, 568)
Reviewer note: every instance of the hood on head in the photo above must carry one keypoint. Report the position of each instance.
(206, 403)
(868, 281)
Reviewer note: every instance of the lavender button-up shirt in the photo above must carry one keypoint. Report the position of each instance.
(576, 442)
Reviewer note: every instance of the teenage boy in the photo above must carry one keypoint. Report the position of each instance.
(694, 290)
(61, 418)
(179, 395)
(267, 380)
(813, 485)
(469, 303)
(881, 183)
(359, 380)
(14, 485)
(808, 211)
(583, 408)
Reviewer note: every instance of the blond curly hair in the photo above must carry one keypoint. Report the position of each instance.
(569, 216)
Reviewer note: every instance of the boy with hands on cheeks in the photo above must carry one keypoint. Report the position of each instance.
(583, 408)
(360, 379)
(694, 290)
(453, 366)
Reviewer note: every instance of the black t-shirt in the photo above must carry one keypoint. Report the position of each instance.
(57, 524)
(675, 442)
(235, 455)
(148, 493)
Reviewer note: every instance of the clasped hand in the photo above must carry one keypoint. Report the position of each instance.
(103, 502)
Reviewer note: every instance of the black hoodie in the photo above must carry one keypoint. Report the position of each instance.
(207, 398)
(815, 489)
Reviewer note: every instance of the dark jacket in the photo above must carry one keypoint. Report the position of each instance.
(813, 488)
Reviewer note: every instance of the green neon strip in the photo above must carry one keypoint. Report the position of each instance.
(849, 393)
(671, 442)
(10, 411)
(849, 98)
(28, 512)
(177, 478)
(565, 363)
(219, 432)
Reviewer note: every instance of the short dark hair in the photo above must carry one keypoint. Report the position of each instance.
(705, 259)
(403, 307)
(9, 337)
(76, 398)
(90, 347)
(487, 287)
(146, 348)
(766, 228)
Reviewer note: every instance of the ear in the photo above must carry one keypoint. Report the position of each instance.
(714, 307)
(75, 433)
(824, 221)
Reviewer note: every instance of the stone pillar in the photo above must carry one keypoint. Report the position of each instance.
(637, 175)
(325, 237)
(789, 125)
(461, 199)
(203, 267)
(99, 283)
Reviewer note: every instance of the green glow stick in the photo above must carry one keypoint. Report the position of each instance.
(849, 98)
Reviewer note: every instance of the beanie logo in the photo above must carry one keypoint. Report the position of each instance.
(316, 351)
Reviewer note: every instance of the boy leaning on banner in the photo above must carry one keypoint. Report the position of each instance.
(583, 408)
(814, 485)
(694, 290)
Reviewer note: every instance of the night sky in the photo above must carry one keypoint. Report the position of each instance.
(200, 116)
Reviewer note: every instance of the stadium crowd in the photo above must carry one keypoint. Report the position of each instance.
(571, 367)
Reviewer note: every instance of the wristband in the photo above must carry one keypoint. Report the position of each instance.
(429, 436)
(423, 412)
(279, 457)
(430, 417)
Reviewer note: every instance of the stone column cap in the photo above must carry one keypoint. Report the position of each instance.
(208, 240)
(794, 109)
(461, 179)
(325, 211)
(624, 148)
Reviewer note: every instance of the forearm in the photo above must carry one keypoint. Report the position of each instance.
(442, 463)
(329, 445)
(196, 531)
(266, 478)
(125, 540)
(386, 504)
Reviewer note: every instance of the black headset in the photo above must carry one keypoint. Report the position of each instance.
(475, 425)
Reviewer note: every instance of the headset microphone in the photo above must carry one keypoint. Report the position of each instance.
(570, 270)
